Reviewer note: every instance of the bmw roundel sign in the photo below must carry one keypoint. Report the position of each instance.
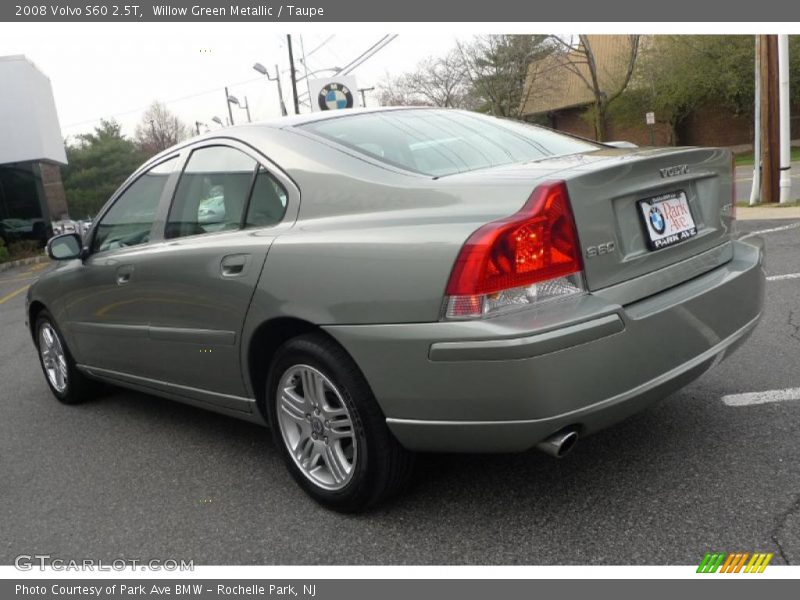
(334, 93)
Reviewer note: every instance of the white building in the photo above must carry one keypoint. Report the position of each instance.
(31, 152)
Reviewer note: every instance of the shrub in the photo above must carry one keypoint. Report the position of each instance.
(23, 249)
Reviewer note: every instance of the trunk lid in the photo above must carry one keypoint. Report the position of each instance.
(621, 206)
(606, 188)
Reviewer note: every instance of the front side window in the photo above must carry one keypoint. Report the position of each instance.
(212, 192)
(129, 221)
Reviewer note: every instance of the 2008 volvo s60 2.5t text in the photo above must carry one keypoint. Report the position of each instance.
(374, 283)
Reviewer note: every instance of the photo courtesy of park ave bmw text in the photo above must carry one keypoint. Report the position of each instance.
(342, 299)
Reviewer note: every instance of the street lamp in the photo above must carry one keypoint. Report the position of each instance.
(197, 126)
(234, 100)
(362, 91)
(228, 104)
(263, 70)
(218, 121)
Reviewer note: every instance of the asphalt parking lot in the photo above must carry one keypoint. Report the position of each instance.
(134, 476)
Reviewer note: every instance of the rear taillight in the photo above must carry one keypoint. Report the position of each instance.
(527, 258)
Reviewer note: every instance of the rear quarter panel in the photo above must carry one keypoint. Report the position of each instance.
(372, 245)
(390, 268)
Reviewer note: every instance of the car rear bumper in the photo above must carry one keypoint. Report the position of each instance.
(506, 383)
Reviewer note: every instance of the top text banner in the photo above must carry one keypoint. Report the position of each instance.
(406, 11)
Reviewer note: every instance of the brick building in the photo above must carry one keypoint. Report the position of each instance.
(560, 96)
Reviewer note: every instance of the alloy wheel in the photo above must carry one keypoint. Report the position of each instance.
(53, 357)
(316, 427)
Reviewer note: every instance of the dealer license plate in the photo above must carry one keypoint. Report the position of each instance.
(667, 220)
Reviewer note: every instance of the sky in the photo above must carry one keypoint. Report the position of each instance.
(116, 70)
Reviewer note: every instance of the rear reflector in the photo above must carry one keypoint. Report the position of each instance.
(530, 256)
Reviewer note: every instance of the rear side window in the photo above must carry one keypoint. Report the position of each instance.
(212, 192)
(129, 221)
(445, 142)
(268, 201)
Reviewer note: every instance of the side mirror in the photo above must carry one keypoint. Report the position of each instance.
(65, 246)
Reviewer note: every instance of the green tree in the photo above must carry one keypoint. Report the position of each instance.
(98, 163)
(579, 56)
(677, 74)
(497, 68)
(487, 73)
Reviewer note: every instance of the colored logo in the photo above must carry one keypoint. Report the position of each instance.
(657, 221)
(735, 562)
(334, 96)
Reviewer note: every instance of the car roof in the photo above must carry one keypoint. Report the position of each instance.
(247, 132)
(296, 120)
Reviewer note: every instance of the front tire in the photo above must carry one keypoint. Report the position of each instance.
(67, 383)
(329, 428)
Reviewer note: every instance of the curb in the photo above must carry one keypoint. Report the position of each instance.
(768, 213)
(31, 260)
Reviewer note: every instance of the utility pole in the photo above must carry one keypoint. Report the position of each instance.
(784, 123)
(228, 104)
(280, 90)
(755, 191)
(294, 75)
(247, 108)
(769, 118)
(363, 97)
(305, 68)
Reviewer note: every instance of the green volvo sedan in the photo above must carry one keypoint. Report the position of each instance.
(374, 283)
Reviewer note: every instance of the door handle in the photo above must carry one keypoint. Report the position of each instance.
(233, 264)
(124, 274)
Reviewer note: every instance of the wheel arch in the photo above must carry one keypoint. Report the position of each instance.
(264, 342)
(34, 309)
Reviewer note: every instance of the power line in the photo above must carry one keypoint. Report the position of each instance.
(171, 101)
(306, 55)
(328, 39)
(352, 62)
(367, 55)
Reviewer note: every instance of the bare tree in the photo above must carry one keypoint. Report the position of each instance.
(159, 129)
(441, 81)
(435, 82)
(393, 91)
(605, 81)
(497, 67)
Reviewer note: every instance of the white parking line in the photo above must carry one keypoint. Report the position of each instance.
(782, 277)
(770, 230)
(762, 397)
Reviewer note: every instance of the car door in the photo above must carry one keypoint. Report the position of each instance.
(107, 310)
(228, 206)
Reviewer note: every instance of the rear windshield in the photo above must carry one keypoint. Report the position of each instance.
(444, 142)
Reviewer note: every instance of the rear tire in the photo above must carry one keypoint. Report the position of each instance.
(67, 383)
(329, 428)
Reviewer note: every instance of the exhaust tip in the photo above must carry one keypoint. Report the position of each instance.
(559, 444)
